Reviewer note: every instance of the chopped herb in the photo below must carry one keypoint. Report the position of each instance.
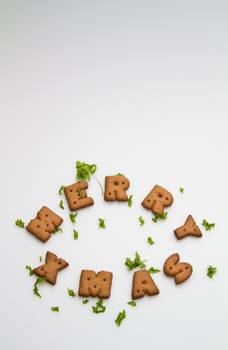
(99, 307)
(72, 217)
(133, 264)
(29, 269)
(61, 189)
(40, 258)
(119, 174)
(61, 204)
(162, 216)
(75, 234)
(129, 201)
(150, 240)
(211, 271)
(208, 226)
(80, 193)
(55, 308)
(58, 229)
(121, 316)
(20, 223)
(101, 223)
(181, 189)
(141, 220)
(71, 292)
(153, 270)
(85, 301)
(35, 288)
(132, 303)
(84, 170)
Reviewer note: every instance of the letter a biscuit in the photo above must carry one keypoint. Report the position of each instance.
(143, 284)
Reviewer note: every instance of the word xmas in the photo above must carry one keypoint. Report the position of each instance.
(99, 284)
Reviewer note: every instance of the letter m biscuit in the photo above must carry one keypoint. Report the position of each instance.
(95, 284)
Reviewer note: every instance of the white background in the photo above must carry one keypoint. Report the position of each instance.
(137, 87)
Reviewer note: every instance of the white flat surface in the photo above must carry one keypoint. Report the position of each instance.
(138, 87)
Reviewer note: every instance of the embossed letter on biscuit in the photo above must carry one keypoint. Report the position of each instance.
(76, 195)
(115, 188)
(44, 224)
(95, 284)
(157, 200)
(143, 284)
(180, 271)
(188, 229)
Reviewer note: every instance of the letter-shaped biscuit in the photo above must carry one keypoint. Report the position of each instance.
(115, 188)
(44, 224)
(76, 195)
(143, 284)
(157, 200)
(180, 271)
(95, 284)
(188, 229)
(50, 269)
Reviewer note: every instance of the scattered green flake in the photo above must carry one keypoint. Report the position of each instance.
(29, 269)
(72, 217)
(40, 258)
(61, 189)
(208, 226)
(71, 293)
(55, 308)
(153, 270)
(99, 307)
(150, 240)
(211, 271)
(57, 230)
(121, 316)
(75, 233)
(101, 223)
(85, 301)
(162, 216)
(137, 262)
(119, 174)
(61, 204)
(84, 170)
(39, 280)
(80, 193)
(141, 220)
(130, 201)
(20, 223)
(181, 189)
(132, 303)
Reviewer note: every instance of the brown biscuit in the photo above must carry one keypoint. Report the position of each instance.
(45, 223)
(115, 188)
(95, 284)
(143, 284)
(157, 200)
(180, 271)
(188, 229)
(50, 269)
(76, 195)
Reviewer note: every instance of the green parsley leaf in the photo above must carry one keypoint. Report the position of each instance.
(162, 216)
(132, 303)
(84, 170)
(39, 280)
(75, 234)
(153, 270)
(130, 201)
(61, 204)
(29, 269)
(211, 271)
(71, 293)
(57, 229)
(72, 217)
(99, 307)
(40, 258)
(133, 264)
(85, 301)
(119, 174)
(208, 226)
(150, 240)
(80, 193)
(141, 220)
(181, 189)
(121, 316)
(55, 308)
(61, 189)
(101, 223)
(20, 223)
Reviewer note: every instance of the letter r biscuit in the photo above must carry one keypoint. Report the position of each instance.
(115, 188)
